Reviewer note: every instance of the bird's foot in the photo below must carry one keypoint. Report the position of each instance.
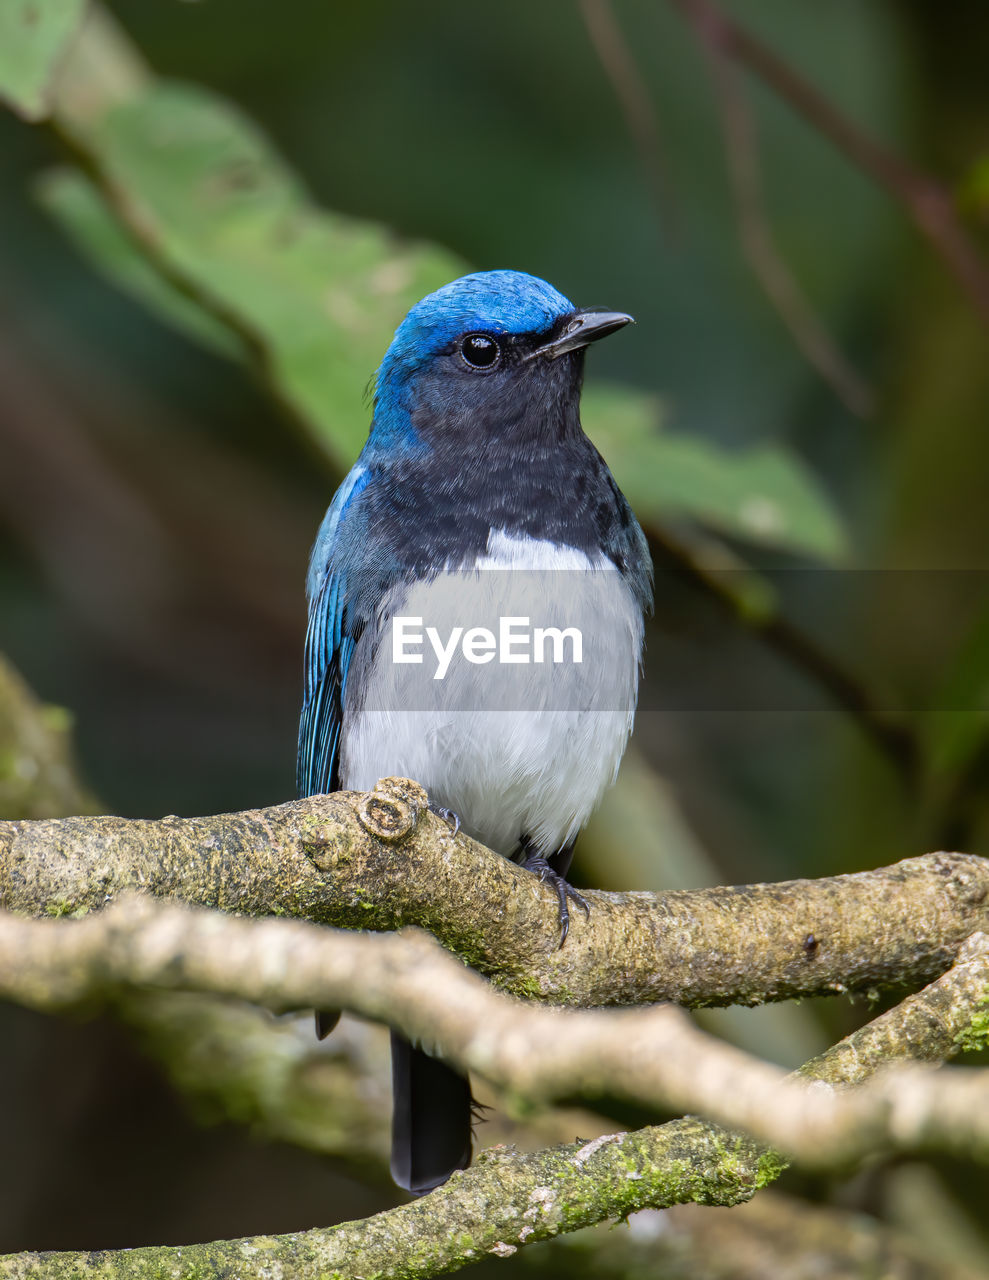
(565, 892)
(478, 1112)
(451, 819)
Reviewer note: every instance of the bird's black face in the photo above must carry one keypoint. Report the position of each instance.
(484, 351)
(516, 388)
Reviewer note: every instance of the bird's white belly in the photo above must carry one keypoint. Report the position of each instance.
(514, 748)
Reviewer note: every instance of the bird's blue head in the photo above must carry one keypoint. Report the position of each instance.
(494, 352)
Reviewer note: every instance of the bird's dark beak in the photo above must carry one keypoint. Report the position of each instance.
(583, 328)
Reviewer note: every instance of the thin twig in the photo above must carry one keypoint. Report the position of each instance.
(776, 278)
(634, 99)
(928, 203)
(891, 735)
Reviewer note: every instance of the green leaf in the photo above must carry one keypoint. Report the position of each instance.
(318, 295)
(76, 204)
(973, 190)
(34, 35)
(761, 494)
(957, 726)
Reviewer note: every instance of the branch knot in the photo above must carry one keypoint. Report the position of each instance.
(392, 809)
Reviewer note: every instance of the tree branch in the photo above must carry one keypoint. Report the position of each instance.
(232, 1061)
(776, 1236)
(37, 773)
(717, 570)
(927, 202)
(506, 1199)
(758, 243)
(654, 1057)
(633, 97)
(380, 861)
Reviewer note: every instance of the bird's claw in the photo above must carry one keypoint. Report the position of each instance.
(451, 819)
(326, 1020)
(565, 892)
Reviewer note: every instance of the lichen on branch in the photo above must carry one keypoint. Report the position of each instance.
(380, 861)
(652, 1056)
(507, 1200)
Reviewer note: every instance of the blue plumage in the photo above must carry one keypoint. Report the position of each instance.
(329, 647)
(476, 462)
(510, 302)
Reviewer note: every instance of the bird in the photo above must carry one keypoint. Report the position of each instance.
(477, 499)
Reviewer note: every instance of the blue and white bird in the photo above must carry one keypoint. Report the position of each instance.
(476, 598)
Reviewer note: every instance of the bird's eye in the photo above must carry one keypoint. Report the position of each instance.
(479, 351)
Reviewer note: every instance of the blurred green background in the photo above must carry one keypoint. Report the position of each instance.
(186, 330)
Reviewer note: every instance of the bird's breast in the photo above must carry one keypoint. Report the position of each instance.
(505, 686)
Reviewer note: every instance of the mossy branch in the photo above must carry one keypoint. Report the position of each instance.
(772, 1236)
(380, 861)
(654, 1057)
(506, 1200)
(37, 772)
(232, 1061)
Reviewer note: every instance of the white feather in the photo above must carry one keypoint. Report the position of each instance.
(514, 749)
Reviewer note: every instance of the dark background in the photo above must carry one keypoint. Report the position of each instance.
(156, 510)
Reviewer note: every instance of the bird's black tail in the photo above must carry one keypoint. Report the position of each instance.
(431, 1119)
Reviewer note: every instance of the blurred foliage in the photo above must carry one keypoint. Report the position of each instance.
(761, 494)
(37, 771)
(973, 190)
(277, 190)
(33, 35)
(957, 727)
(208, 206)
(218, 213)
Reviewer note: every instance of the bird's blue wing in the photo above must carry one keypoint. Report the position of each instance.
(331, 636)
